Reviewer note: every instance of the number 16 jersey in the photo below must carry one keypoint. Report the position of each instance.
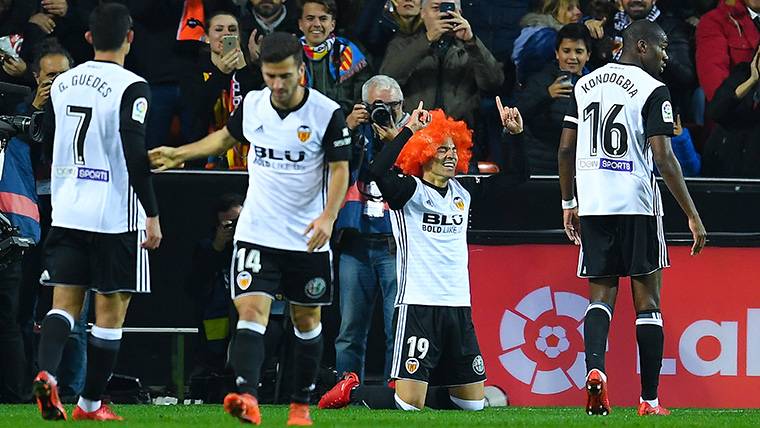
(94, 105)
(615, 109)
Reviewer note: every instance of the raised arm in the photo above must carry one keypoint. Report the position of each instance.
(397, 188)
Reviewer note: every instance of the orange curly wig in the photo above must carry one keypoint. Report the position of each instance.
(423, 145)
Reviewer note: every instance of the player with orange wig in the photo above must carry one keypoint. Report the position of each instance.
(422, 147)
(430, 218)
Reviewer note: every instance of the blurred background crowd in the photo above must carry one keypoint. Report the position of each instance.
(528, 52)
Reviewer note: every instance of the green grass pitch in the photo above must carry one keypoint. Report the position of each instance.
(14, 416)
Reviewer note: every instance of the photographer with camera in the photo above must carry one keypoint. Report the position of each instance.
(19, 204)
(367, 252)
(208, 285)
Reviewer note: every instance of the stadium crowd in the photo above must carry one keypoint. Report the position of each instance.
(377, 59)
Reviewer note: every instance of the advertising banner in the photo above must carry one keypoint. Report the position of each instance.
(528, 307)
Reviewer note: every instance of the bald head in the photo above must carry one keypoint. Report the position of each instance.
(645, 44)
(642, 30)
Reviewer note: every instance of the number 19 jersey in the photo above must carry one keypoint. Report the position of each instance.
(615, 109)
(90, 188)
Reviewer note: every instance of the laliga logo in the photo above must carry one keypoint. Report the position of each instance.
(543, 341)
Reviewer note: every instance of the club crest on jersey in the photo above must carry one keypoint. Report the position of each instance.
(315, 288)
(478, 366)
(243, 280)
(459, 203)
(412, 365)
(304, 132)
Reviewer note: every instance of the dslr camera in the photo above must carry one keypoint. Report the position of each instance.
(380, 113)
(12, 244)
(12, 125)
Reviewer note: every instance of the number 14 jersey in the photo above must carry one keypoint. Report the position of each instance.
(94, 105)
(615, 109)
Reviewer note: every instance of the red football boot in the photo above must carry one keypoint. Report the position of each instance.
(645, 409)
(299, 415)
(45, 389)
(244, 407)
(339, 396)
(597, 403)
(104, 413)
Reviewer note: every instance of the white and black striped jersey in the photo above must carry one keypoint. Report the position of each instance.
(100, 178)
(430, 223)
(615, 109)
(287, 165)
(431, 246)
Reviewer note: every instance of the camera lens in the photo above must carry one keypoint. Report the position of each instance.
(381, 117)
(380, 113)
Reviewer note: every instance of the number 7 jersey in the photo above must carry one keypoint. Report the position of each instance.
(615, 109)
(95, 105)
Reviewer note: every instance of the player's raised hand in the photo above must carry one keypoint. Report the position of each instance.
(699, 234)
(163, 158)
(153, 230)
(419, 119)
(511, 119)
(572, 225)
(321, 230)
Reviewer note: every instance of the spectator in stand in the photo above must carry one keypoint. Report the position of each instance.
(367, 251)
(545, 98)
(261, 17)
(64, 20)
(726, 36)
(496, 23)
(536, 45)
(168, 36)
(443, 64)
(732, 149)
(381, 19)
(335, 66)
(680, 74)
(216, 85)
(13, 17)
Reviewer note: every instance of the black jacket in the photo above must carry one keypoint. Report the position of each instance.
(204, 87)
(733, 149)
(248, 22)
(543, 117)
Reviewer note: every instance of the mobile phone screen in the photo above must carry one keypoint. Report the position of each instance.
(229, 43)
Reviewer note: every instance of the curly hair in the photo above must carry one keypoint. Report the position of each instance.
(421, 148)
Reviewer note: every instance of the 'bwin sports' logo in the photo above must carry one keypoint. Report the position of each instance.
(543, 341)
